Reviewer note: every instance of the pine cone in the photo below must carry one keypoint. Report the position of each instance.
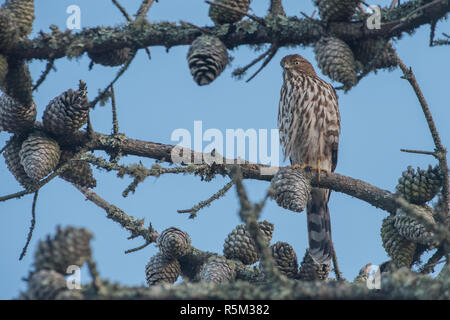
(10, 33)
(111, 58)
(240, 245)
(310, 270)
(68, 112)
(18, 82)
(12, 159)
(217, 271)
(411, 229)
(291, 189)
(397, 247)
(79, 172)
(15, 117)
(221, 15)
(21, 13)
(285, 259)
(39, 155)
(3, 66)
(419, 187)
(174, 243)
(70, 246)
(207, 58)
(366, 50)
(161, 270)
(335, 59)
(45, 285)
(336, 10)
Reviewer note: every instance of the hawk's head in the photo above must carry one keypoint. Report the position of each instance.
(297, 64)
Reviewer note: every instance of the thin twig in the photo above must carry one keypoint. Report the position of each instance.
(95, 275)
(122, 9)
(129, 19)
(251, 16)
(108, 87)
(40, 184)
(136, 227)
(431, 153)
(433, 261)
(239, 72)
(336, 269)
(49, 67)
(114, 112)
(138, 248)
(393, 3)
(432, 32)
(272, 52)
(203, 30)
(145, 6)
(33, 223)
(193, 211)
(249, 214)
(441, 152)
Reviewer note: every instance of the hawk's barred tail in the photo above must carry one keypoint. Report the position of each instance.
(319, 227)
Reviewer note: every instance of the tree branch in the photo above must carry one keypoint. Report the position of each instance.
(291, 31)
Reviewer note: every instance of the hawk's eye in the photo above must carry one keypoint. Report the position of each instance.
(297, 62)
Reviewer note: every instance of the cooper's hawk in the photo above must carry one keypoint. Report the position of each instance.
(309, 125)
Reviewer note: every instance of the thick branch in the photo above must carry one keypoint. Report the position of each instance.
(287, 31)
(377, 197)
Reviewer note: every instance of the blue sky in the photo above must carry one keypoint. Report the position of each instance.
(379, 117)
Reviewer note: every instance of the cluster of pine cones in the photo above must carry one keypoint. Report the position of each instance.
(34, 150)
(404, 237)
(176, 256)
(343, 60)
(69, 247)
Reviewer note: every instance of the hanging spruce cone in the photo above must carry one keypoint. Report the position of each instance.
(12, 159)
(335, 59)
(161, 270)
(45, 285)
(21, 13)
(68, 112)
(15, 117)
(174, 243)
(221, 15)
(367, 50)
(79, 172)
(10, 33)
(207, 58)
(397, 247)
(39, 155)
(419, 186)
(411, 229)
(217, 271)
(291, 189)
(70, 246)
(18, 82)
(111, 58)
(310, 270)
(336, 10)
(240, 245)
(285, 259)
